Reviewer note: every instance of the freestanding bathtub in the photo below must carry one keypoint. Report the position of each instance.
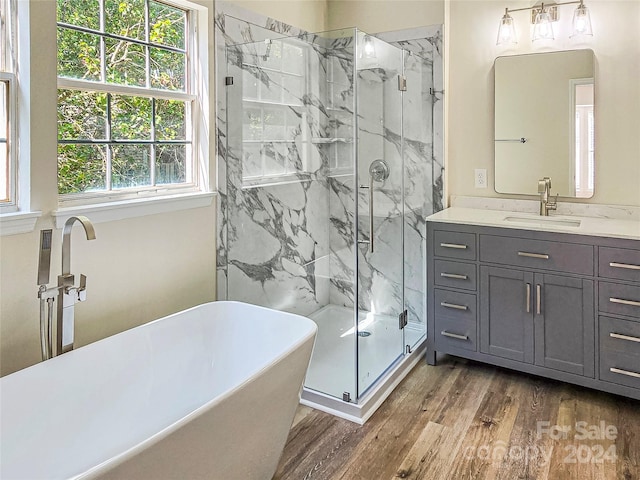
(209, 392)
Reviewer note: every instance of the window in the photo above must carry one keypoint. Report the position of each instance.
(275, 131)
(8, 195)
(125, 98)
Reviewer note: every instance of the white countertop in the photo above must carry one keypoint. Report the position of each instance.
(599, 227)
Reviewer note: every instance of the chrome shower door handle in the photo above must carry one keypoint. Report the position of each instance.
(370, 213)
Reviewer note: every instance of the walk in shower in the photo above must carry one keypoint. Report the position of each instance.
(327, 181)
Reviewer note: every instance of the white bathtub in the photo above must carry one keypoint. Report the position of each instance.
(209, 392)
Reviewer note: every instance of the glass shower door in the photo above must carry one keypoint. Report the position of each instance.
(380, 208)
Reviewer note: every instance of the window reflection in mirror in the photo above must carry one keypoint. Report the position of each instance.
(582, 99)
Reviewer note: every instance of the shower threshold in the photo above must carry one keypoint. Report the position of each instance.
(331, 371)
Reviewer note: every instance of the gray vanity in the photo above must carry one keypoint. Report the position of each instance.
(559, 298)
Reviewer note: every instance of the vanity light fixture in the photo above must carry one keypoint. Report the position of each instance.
(581, 21)
(542, 27)
(542, 18)
(506, 31)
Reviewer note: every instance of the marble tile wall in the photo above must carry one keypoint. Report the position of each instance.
(286, 215)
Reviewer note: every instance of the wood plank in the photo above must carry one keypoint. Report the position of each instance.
(433, 425)
(455, 413)
(486, 439)
(393, 428)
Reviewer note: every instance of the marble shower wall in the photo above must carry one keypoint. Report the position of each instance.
(286, 176)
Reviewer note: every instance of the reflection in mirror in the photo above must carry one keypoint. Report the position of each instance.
(544, 122)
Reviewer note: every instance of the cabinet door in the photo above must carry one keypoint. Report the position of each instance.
(564, 324)
(506, 318)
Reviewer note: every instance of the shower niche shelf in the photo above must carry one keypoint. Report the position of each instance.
(330, 140)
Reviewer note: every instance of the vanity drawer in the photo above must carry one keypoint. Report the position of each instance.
(620, 368)
(619, 263)
(454, 245)
(617, 335)
(620, 299)
(455, 274)
(538, 254)
(455, 333)
(455, 305)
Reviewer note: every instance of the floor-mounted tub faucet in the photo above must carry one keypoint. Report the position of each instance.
(66, 292)
(546, 204)
(69, 294)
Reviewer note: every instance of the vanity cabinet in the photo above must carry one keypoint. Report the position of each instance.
(563, 306)
(528, 317)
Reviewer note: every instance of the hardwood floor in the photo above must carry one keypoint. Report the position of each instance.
(463, 420)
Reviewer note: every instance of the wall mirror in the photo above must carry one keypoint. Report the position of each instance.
(544, 122)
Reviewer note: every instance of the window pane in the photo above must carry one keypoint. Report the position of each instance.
(81, 168)
(83, 13)
(274, 160)
(5, 167)
(272, 57)
(130, 118)
(125, 18)
(4, 109)
(126, 63)
(271, 89)
(130, 166)
(274, 124)
(167, 69)
(171, 120)
(252, 124)
(249, 84)
(292, 59)
(293, 89)
(81, 115)
(251, 160)
(78, 55)
(167, 25)
(4, 171)
(170, 164)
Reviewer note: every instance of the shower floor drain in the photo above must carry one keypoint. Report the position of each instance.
(364, 333)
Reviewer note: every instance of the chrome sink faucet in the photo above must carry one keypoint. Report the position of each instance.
(546, 204)
(68, 293)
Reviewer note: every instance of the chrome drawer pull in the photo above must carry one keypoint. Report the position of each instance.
(633, 303)
(544, 256)
(453, 305)
(454, 335)
(624, 337)
(624, 265)
(453, 245)
(454, 275)
(625, 372)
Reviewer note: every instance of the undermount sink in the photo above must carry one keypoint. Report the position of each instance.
(558, 222)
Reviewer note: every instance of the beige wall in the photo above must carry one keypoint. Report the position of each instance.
(473, 27)
(137, 269)
(384, 15)
(310, 15)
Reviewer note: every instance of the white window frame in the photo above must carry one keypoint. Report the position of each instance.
(7, 77)
(12, 204)
(196, 45)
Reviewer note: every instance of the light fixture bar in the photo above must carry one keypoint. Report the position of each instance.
(537, 7)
